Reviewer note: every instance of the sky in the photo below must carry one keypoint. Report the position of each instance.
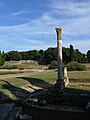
(30, 24)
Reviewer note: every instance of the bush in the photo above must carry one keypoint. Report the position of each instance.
(53, 65)
(21, 68)
(73, 66)
(9, 67)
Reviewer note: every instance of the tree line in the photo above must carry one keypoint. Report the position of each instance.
(2, 60)
(49, 55)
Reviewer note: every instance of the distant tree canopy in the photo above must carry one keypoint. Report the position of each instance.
(88, 56)
(32, 55)
(49, 55)
(2, 61)
(69, 54)
(13, 55)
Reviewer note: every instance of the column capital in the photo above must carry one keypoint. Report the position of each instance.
(59, 33)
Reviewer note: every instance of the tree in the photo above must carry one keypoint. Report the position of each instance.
(24, 55)
(71, 53)
(88, 56)
(13, 55)
(66, 55)
(3, 54)
(2, 61)
(42, 54)
(78, 56)
(53, 65)
(50, 55)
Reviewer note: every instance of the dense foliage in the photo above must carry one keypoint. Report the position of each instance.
(88, 56)
(69, 54)
(75, 66)
(2, 61)
(49, 55)
(13, 55)
(32, 55)
(71, 66)
(53, 65)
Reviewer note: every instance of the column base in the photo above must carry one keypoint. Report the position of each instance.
(60, 86)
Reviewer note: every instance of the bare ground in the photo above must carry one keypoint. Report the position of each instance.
(25, 72)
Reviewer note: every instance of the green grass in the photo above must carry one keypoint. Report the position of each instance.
(87, 66)
(33, 78)
(15, 86)
(50, 77)
(79, 76)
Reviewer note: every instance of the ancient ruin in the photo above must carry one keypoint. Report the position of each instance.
(62, 80)
(66, 79)
(59, 83)
(56, 99)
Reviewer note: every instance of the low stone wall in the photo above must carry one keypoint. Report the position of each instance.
(20, 62)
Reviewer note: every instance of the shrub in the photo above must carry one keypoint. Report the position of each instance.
(73, 66)
(12, 67)
(21, 68)
(53, 65)
(9, 67)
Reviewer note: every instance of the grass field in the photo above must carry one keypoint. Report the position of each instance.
(21, 85)
(87, 66)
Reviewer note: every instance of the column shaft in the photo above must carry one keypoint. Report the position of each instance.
(59, 47)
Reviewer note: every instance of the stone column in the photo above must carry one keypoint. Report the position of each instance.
(66, 80)
(59, 82)
(65, 72)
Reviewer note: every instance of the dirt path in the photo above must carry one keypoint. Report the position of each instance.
(25, 73)
(14, 75)
(17, 70)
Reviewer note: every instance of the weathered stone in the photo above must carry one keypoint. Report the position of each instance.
(42, 102)
(32, 100)
(25, 117)
(66, 79)
(59, 45)
(88, 107)
(60, 83)
(18, 112)
(7, 111)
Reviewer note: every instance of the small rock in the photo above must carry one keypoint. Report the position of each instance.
(32, 100)
(25, 117)
(88, 107)
(42, 102)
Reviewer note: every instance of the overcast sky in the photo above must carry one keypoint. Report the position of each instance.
(30, 24)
